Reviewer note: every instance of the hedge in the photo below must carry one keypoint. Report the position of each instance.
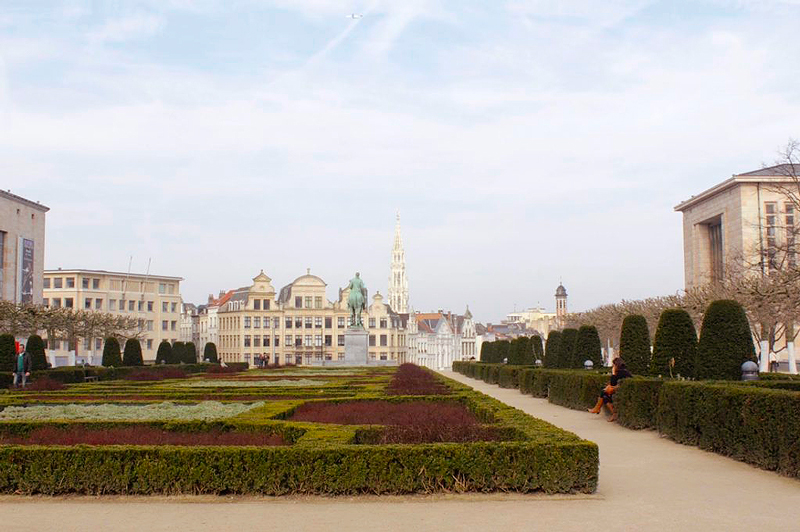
(725, 342)
(552, 349)
(508, 376)
(35, 347)
(634, 344)
(636, 402)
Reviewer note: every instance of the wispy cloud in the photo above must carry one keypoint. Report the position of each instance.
(126, 28)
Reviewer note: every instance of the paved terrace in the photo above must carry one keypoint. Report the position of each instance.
(646, 484)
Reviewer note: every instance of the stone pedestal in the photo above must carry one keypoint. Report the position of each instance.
(356, 347)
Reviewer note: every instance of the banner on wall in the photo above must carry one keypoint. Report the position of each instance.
(25, 271)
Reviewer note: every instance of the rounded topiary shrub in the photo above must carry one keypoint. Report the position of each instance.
(518, 351)
(8, 352)
(111, 355)
(536, 346)
(178, 353)
(552, 349)
(190, 356)
(675, 340)
(164, 353)
(588, 347)
(725, 342)
(566, 356)
(634, 344)
(210, 352)
(133, 353)
(35, 347)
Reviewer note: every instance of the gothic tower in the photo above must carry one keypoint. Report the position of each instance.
(398, 282)
(561, 306)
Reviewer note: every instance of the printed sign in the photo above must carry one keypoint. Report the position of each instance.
(25, 271)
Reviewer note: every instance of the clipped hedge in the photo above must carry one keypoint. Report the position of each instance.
(575, 389)
(755, 425)
(508, 376)
(636, 402)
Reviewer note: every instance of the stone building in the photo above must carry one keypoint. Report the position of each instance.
(537, 320)
(154, 299)
(299, 325)
(437, 339)
(398, 281)
(22, 230)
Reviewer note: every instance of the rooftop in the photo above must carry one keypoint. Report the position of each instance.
(35, 204)
(106, 272)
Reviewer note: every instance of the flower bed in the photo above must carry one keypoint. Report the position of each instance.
(206, 410)
(216, 383)
(413, 380)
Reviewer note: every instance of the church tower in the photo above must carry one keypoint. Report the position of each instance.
(398, 282)
(561, 306)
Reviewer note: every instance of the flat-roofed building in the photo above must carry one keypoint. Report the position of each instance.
(154, 300)
(22, 230)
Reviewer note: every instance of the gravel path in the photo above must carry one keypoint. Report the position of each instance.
(646, 484)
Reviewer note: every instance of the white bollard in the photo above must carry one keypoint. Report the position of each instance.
(792, 359)
(51, 357)
(763, 366)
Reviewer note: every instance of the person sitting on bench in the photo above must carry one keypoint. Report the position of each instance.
(618, 372)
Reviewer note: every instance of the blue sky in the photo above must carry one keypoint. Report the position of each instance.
(523, 142)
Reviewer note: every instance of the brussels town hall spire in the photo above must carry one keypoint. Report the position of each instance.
(398, 282)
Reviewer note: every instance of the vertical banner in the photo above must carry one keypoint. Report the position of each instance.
(25, 271)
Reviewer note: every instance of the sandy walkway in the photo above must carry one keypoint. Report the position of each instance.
(646, 483)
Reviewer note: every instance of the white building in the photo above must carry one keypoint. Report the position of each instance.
(437, 339)
(21, 249)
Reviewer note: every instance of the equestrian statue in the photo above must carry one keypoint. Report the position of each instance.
(356, 301)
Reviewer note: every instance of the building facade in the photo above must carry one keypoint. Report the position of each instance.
(536, 320)
(437, 339)
(22, 230)
(299, 325)
(155, 300)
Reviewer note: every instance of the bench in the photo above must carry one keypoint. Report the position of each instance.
(91, 378)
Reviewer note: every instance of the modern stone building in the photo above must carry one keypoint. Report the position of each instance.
(299, 325)
(22, 230)
(744, 218)
(155, 300)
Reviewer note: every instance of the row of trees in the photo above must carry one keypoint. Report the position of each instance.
(8, 352)
(522, 351)
(571, 348)
(177, 353)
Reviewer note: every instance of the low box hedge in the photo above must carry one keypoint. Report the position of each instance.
(636, 402)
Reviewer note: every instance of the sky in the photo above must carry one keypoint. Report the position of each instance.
(523, 142)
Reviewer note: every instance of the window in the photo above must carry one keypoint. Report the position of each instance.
(328, 340)
(85, 284)
(149, 325)
(256, 341)
(70, 282)
(288, 322)
(68, 302)
(383, 340)
(87, 304)
(45, 283)
(372, 340)
(256, 304)
(771, 208)
(247, 340)
(715, 250)
(247, 322)
(372, 323)
(98, 344)
(149, 306)
(86, 344)
(257, 322)
(95, 284)
(298, 341)
(308, 301)
(164, 306)
(340, 340)
(171, 288)
(266, 304)
(164, 325)
(308, 341)
(298, 323)
(791, 231)
(318, 302)
(309, 322)
(288, 340)
(112, 304)
(318, 322)
(131, 305)
(162, 288)
(317, 340)
(328, 323)
(276, 323)
(383, 323)
(139, 305)
(340, 321)
(298, 302)
(57, 282)
(122, 305)
(266, 341)
(150, 344)
(46, 302)
(278, 341)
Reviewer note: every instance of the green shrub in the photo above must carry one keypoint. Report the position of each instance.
(210, 352)
(676, 340)
(754, 425)
(588, 347)
(538, 350)
(552, 349)
(520, 352)
(634, 344)
(191, 353)
(508, 376)
(566, 355)
(178, 353)
(502, 351)
(725, 342)
(164, 353)
(576, 389)
(636, 402)
(35, 347)
(133, 353)
(8, 352)
(111, 356)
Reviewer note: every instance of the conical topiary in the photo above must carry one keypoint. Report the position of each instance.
(552, 349)
(164, 353)
(588, 347)
(634, 344)
(675, 340)
(190, 355)
(111, 356)
(8, 352)
(725, 342)
(35, 347)
(133, 353)
(210, 352)
(566, 356)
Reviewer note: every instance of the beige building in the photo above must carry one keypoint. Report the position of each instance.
(155, 300)
(21, 248)
(742, 218)
(537, 320)
(299, 325)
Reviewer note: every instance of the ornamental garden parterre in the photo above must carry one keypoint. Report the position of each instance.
(197, 429)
